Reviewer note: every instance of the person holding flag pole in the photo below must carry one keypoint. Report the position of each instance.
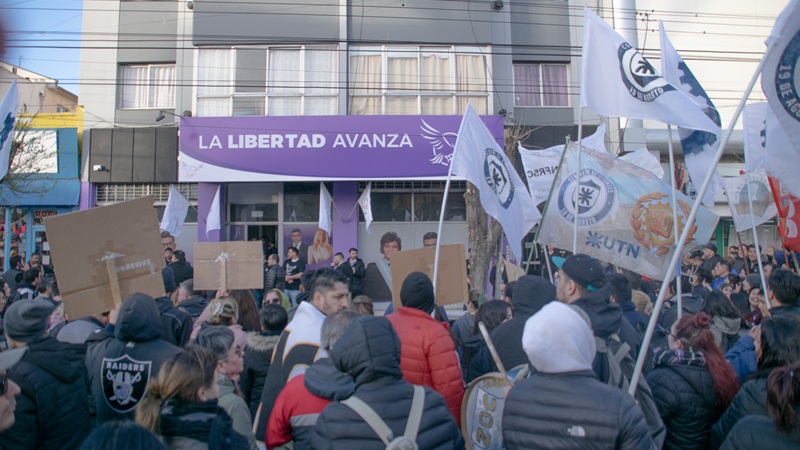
(771, 45)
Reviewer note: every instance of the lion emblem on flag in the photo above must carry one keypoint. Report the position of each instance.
(653, 225)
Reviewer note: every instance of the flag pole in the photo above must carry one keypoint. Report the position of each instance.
(755, 238)
(648, 336)
(577, 182)
(678, 289)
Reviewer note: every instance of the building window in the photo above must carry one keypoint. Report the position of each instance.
(272, 81)
(417, 80)
(147, 86)
(541, 85)
(391, 201)
(61, 109)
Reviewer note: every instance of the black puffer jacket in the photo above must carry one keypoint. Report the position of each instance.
(257, 356)
(194, 306)
(751, 400)
(176, 325)
(53, 408)
(530, 294)
(687, 403)
(572, 410)
(121, 367)
(759, 432)
(369, 351)
(475, 358)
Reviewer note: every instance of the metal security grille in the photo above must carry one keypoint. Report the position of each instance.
(115, 193)
(412, 185)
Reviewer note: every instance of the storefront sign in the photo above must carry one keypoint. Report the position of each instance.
(42, 213)
(319, 147)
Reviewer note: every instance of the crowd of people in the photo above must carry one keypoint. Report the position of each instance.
(305, 363)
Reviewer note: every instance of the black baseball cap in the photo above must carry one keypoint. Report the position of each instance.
(711, 246)
(582, 269)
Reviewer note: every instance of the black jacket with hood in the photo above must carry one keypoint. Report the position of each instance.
(53, 408)
(530, 294)
(750, 401)
(194, 305)
(369, 351)
(120, 368)
(176, 325)
(257, 357)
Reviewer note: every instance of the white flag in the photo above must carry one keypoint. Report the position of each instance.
(479, 159)
(365, 202)
(755, 136)
(325, 205)
(779, 78)
(213, 218)
(8, 119)
(646, 160)
(699, 146)
(175, 212)
(782, 159)
(764, 207)
(617, 81)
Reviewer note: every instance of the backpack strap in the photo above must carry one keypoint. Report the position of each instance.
(415, 416)
(371, 417)
(623, 350)
(379, 426)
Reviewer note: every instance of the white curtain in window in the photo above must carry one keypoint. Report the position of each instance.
(401, 104)
(554, 85)
(526, 81)
(284, 106)
(162, 87)
(365, 78)
(437, 105)
(214, 72)
(365, 105)
(401, 72)
(479, 104)
(470, 73)
(321, 71)
(320, 106)
(284, 71)
(213, 107)
(434, 72)
(134, 86)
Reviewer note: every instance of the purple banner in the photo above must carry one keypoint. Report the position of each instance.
(222, 149)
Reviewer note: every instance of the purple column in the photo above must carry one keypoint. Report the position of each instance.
(87, 199)
(345, 218)
(205, 195)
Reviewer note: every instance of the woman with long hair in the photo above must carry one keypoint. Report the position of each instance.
(779, 431)
(692, 384)
(230, 364)
(475, 358)
(320, 250)
(726, 322)
(464, 326)
(248, 309)
(181, 405)
(777, 343)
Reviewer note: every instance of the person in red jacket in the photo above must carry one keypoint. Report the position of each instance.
(427, 352)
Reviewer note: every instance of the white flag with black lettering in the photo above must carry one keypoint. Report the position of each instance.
(617, 81)
(175, 212)
(478, 158)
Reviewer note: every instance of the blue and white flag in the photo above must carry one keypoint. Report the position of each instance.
(479, 159)
(699, 147)
(617, 81)
(739, 195)
(780, 81)
(175, 212)
(8, 119)
(625, 213)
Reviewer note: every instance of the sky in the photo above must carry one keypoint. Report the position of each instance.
(43, 36)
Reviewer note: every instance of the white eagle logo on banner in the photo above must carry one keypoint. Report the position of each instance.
(440, 143)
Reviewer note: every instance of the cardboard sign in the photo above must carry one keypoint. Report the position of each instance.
(228, 265)
(513, 271)
(103, 255)
(452, 284)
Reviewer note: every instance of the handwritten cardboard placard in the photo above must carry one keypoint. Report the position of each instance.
(228, 265)
(452, 284)
(103, 255)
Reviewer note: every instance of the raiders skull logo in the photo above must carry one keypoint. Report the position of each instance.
(124, 382)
